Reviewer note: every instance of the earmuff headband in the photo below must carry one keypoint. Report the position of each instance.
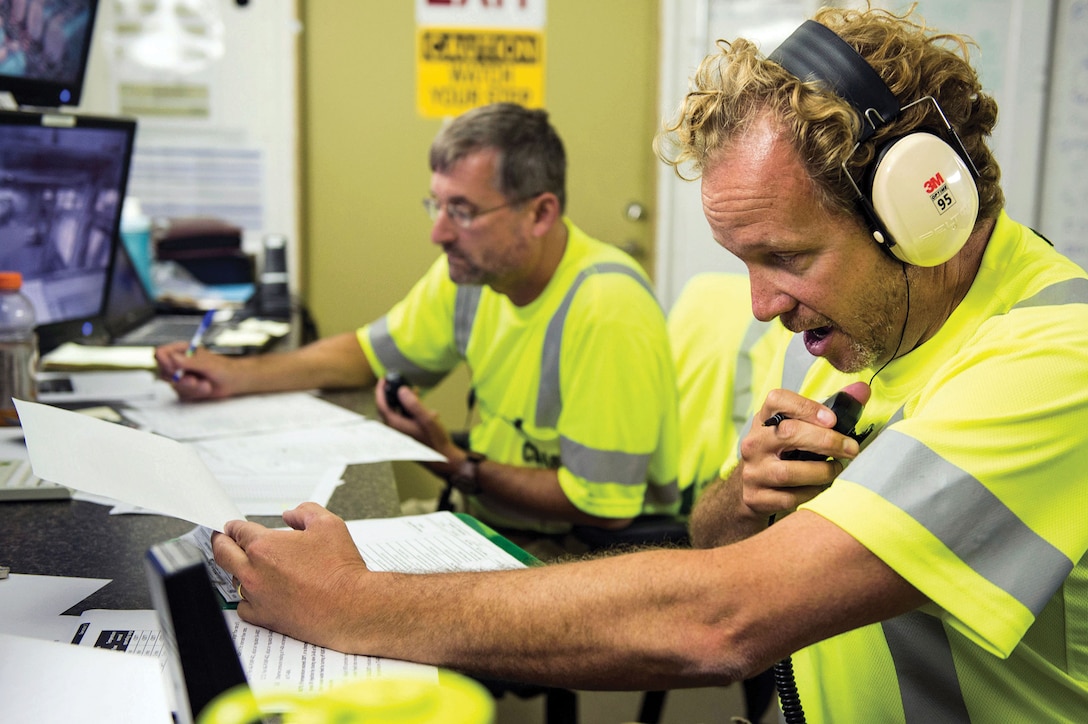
(815, 52)
(918, 195)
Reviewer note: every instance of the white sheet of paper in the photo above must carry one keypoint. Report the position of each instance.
(30, 605)
(119, 462)
(303, 450)
(270, 493)
(103, 386)
(431, 543)
(255, 493)
(272, 661)
(239, 415)
(47, 681)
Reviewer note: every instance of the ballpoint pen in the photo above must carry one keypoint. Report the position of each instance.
(198, 337)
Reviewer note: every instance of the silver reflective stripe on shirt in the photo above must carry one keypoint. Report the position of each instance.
(548, 401)
(1071, 291)
(464, 315)
(925, 670)
(742, 395)
(589, 463)
(390, 355)
(1012, 557)
(604, 466)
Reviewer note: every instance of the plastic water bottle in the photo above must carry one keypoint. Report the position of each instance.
(136, 236)
(18, 347)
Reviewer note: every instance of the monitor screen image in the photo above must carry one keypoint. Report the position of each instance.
(44, 45)
(62, 183)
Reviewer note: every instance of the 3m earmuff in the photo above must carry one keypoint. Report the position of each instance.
(918, 194)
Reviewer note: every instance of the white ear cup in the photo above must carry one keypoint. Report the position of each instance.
(925, 197)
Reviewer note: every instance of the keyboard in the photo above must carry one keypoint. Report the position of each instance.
(162, 330)
(18, 482)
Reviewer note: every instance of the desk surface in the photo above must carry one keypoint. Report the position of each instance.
(72, 538)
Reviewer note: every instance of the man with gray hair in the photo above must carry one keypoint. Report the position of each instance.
(572, 378)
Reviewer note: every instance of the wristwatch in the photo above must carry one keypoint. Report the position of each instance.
(466, 477)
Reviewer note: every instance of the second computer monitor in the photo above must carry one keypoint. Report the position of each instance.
(62, 182)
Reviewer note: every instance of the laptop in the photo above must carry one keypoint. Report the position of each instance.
(62, 180)
(132, 319)
(130, 316)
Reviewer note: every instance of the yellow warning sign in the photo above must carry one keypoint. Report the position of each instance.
(462, 68)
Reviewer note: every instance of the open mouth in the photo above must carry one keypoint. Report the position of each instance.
(815, 339)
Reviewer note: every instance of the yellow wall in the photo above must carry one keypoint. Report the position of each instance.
(365, 164)
(365, 236)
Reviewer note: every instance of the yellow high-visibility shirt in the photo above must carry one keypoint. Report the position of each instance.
(974, 488)
(580, 379)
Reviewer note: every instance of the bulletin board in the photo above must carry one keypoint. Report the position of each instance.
(219, 138)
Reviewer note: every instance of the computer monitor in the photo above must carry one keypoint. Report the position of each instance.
(62, 182)
(44, 45)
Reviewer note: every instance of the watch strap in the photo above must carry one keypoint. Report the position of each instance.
(466, 476)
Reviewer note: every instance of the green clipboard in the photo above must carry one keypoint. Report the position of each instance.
(483, 529)
(487, 532)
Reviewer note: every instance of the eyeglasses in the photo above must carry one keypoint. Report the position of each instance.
(464, 213)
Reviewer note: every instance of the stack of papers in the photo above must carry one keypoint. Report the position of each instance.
(44, 679)
(286, 438)
(72, 356)
(214, 461)
(251, 332)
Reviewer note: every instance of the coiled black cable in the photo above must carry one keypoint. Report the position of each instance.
(788, 697)
(847, 413)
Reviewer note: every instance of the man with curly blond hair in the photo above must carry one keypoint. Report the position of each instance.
(926, 562)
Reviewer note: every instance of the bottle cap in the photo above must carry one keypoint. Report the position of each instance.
(133, 218)
(11, 281)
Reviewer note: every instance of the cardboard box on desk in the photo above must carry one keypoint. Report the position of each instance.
(209, 248)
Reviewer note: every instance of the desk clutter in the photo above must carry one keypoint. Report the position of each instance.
(208, 248)
(18, 482)
(206, 463)
(266, 451)
(198, 263)
(91, 259)
(188, 654)
(249, 336)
